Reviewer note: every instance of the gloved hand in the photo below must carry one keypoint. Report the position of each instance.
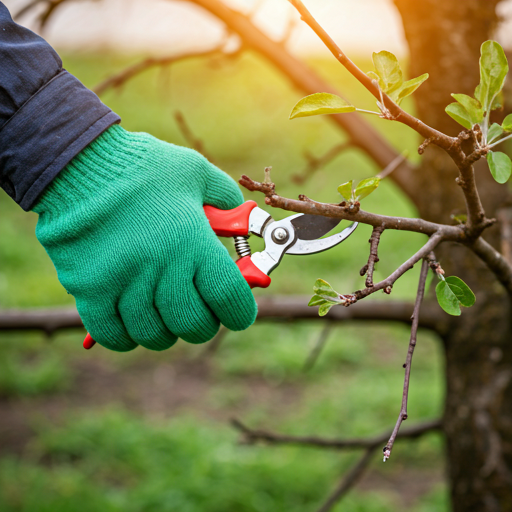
(124, 226)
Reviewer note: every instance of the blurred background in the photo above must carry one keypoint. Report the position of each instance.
(142, 431)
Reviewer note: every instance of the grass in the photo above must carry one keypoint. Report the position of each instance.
(134, 446)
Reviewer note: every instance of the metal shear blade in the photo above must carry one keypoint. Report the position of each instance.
(282, 237)
(301, 247)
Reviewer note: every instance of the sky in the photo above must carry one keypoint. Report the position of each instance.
(171, 26)
(164, 26)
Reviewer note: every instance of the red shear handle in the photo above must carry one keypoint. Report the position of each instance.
(233, 222)
(89, 342)
(253, 275)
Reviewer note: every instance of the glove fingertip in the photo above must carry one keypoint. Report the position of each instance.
(222, 191)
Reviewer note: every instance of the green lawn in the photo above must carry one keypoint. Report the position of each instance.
(149, 432)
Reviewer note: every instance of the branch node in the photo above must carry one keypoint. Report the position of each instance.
(425, 144)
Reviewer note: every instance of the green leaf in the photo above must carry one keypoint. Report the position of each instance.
(460, 114)
(447, 299)
(366, 187)
(321, 103)
(374, 76)
(494, 132)
(473, 107)
(407, 88)
(498, 101)
(316, 300)
(493, 70)
(500, 166)
(388, 71)
(323, 310)
(345, 189)
(461, 290)
(325, 297)
(507, 123)
(324, 289)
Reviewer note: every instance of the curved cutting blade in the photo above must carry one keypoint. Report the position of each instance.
(311, 227)
(301, 247)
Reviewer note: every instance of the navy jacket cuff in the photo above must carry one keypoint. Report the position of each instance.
(44, 135)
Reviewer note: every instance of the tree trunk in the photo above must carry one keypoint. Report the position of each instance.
(444, 39)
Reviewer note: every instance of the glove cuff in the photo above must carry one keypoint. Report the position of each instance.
(95, 171)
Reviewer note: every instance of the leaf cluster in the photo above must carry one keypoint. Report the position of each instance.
(363, 189)
(325, 297)
(389, 76)
(473, 113)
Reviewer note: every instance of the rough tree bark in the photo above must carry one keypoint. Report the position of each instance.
(444, 38)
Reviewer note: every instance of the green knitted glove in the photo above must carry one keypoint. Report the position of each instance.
(124, 226)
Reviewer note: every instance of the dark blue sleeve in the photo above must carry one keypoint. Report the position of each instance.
(46, 115)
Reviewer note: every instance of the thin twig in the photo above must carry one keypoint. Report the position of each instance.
(359, 131)
(374, 255)
(316, 163)
(412, 344)
(319, 346)
(387, 283)
(25, 9)
(252, 436)
(44, 17)
(393, 165)
(126, 74)
(492, 258)
(434, 265)
(451, 233)
(291, 25)
(192, 140)
(213, 346)
(396, 112)
(452, 145)
(349, 479)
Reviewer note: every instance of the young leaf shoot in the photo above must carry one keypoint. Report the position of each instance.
(321, 103)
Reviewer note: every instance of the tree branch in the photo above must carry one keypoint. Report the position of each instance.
(349, 479)
(319, 346)
(284, 308)
(306, 205)
(501, 268)
(126, 74)
(387, 283)
(253, 436)
(369, 444)
(360, 132)
(398, 114)
(45, 16)
(452, 145)
(192, 140)
(494, 260)
(412, 344)
(316, 163)
(374, 256)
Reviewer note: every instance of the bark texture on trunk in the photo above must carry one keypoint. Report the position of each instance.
(444, 38)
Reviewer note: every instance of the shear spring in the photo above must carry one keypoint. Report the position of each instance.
(242, 246)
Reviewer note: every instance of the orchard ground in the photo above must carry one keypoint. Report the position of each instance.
(149, 431)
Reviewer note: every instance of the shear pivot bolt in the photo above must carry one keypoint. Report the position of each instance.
(280, 236)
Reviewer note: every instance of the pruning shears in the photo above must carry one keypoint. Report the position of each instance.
(298, 234)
